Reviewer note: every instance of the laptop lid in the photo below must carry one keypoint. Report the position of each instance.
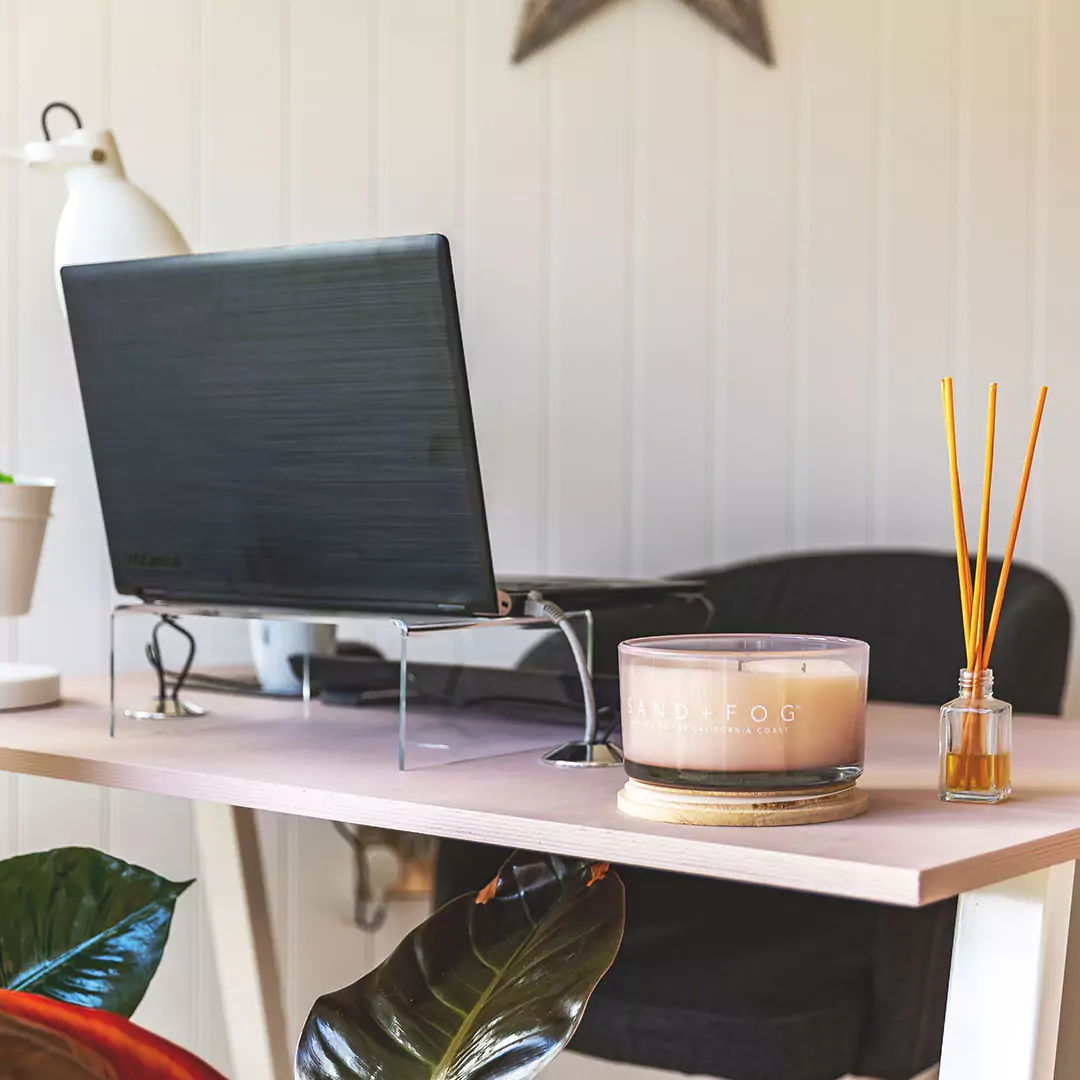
(286, 427)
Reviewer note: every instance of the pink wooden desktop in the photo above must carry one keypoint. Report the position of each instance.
(1012, 865)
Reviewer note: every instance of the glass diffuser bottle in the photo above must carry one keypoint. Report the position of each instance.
(976, 728)
(976, 742)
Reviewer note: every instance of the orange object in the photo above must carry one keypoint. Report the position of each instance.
(971, 767)
(488, 891)
(597, 872)
(1015, 529)
(978, 598)
(48, 1032)
(963, 559)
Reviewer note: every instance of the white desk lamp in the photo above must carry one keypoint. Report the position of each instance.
(105, 218)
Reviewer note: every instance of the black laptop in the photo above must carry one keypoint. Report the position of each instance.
(291, 427)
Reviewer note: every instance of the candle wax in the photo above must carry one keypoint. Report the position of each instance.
(754, 715)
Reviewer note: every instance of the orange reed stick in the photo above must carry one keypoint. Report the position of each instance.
(1007, 563)
(978, 599)
(963, 559)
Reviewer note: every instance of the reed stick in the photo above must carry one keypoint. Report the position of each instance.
(1006, 564)
(978, 599)
(963, 559)
(969, 772)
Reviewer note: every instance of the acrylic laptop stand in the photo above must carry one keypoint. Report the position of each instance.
(584, 752)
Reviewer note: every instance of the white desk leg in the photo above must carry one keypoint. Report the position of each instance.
(231, 879)
(1008, 966)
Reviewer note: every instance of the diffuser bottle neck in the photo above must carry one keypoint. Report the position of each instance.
(977, 685)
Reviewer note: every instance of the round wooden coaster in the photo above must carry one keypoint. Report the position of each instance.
(684, 807)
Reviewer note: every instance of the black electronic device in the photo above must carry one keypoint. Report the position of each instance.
(356, 680)
(291, 427)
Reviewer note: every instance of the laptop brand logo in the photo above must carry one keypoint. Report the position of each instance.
(153, 562)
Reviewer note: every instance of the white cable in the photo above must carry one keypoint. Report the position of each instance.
(537, 607)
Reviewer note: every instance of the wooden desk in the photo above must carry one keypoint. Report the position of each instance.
(1011, 864)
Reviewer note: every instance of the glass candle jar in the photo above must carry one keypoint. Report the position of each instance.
(744, 713)
(976, 743)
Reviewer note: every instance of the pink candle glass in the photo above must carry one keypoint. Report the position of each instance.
(744, 712)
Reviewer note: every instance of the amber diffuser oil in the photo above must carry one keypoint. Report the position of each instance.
(976, 742)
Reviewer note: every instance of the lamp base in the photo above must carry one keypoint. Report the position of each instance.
(28, 686)
(169, 710)
(685, 807)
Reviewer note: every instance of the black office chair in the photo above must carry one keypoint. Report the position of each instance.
(752, 983)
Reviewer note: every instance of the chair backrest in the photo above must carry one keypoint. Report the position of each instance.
(906, 605)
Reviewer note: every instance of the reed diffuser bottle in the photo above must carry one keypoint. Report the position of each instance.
(976, 727)
(976, 742)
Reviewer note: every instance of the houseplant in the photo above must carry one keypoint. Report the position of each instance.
(494, 983)
(25, 503)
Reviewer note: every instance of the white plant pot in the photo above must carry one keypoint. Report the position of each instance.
(24, 513)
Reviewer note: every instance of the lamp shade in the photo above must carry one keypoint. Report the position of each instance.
(107, 218)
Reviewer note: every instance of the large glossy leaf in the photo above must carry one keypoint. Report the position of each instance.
(491, 986)
(80, 927)
(41, 1039)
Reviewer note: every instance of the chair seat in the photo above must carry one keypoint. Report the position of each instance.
(819, 1043)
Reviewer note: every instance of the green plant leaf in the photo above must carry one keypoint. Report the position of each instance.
(81, 927)
(492, 985)
(5, 479)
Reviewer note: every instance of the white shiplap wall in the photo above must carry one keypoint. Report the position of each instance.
(706, 304)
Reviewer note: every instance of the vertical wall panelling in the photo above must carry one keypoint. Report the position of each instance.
(1038, 241)
(720, 318)
(244, 203)
(332, 951)
(506, 208)
(1061, 313)
(332, 95)
(759, 343)
(66, 625)
(9, 341)
(9, 239)
(674, 279)
(915, 260)
(59, 55)
(419, 122)
(154, 101)
(155, 108)
(996, 178)
(420, 154)
(881, 181)
(243, 124)
(152, 54)
(155, 831)
(590, 293)
(837, 277)
(968, 450)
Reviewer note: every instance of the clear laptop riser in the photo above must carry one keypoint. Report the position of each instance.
(409, 734)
